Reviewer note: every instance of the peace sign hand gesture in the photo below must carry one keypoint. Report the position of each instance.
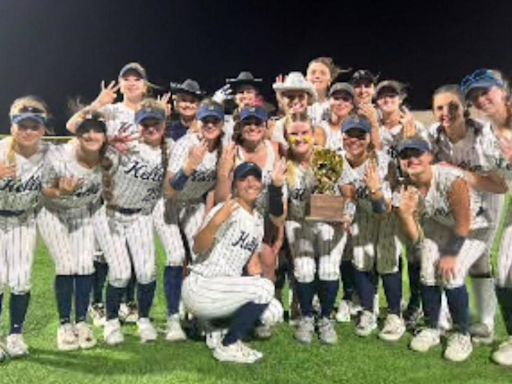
(372, 178)
(195, 157)
(227, 159)
(164, 101)
(409, 200)
(279, 173)
(107, 95)
(229, 207)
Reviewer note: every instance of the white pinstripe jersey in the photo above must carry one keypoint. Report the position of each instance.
(137, 177)
(120, 120)
(300, 186)
(235, 242)
(318, 112)
(334, 139)
(355, 177)
(390, 138)
(474, 153)
(61, 162)
(204, 178)
(23, 192)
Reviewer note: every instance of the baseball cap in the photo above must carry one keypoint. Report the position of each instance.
(356, 123)
(133, 69)
(255, 112)
(210, 110)
(363, 75)
(246, 169)
(341, 87)
(418, 144)
(390, 86)
(149, 114)
(481, 78)
(34, 116)
(91, 124)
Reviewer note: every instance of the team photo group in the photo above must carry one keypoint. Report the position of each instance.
(314, 205)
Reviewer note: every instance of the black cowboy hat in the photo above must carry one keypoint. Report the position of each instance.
(244, 78)
(189, 87)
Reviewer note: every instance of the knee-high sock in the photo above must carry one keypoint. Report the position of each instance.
(485, 300)
(114, 297)
(173, 279)
(327, 294)
(129, 296)
(18, 310)
(413, 270)
(100, 276)
(64, 293)
(365, 286)
(243, 322)
(305, 293)
(145, 296)
(431, 297)
(83, 288)
(458, 302)
(347, 278)
(505, 301)
(393, 289)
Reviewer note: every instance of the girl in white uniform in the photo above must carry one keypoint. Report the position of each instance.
(124, 229)
(21, 163)
(72, 186)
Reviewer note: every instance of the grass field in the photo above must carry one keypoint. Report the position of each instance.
(353, 360)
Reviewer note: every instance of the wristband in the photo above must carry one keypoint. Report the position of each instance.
(349, 209)
(275, 201)
(179, 180)
(379, 206)
(454, 246)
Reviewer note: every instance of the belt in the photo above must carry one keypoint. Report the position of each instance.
(125, 211)
(4, 213)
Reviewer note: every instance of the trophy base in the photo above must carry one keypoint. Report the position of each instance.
(325, 208)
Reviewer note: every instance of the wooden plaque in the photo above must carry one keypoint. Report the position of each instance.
(325, 208)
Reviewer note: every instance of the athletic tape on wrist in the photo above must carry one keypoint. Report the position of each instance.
(454, 246)
(379, 206)
(275, 201)
(179, 180)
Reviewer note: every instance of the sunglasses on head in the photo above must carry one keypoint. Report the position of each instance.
(211, 120)
(408, 153)
(358, 134)
(294, 96)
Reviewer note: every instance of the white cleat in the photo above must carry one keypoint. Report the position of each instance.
(98, 315)
(174, 332)
(67, 339)
(343, 312)
(481, 334)
(458, 348)
(503, 355)
(112, 332)
(327, 332)
(425, 340)
(305, 330)
(214, 337)
(394, 328)
(367, 324)
(236, 353)
(16, 346)
(147, 331)
(86, 338)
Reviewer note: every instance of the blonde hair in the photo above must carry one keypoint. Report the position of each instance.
(291, 163)
(19, 106)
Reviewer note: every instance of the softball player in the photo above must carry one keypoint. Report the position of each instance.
(467, 143)
(21, 163)
(449, 246)
(488, 92)
(365, 183)
(225, 246)
(187, 96)
(311, 243)
(124, 229)
(192, 175)
(72, 185)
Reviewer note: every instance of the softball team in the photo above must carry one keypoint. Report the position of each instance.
(223, 193)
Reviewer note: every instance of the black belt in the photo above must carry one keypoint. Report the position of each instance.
(125, 211)
(4, 213)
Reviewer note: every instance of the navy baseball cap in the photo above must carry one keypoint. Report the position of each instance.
(418, 144)
(37, 117)
(362, 76)
(246, 169)
(356, 123)
(210, 110)
(481, 78)
(149, 114)
(133, 69)
(253, 112)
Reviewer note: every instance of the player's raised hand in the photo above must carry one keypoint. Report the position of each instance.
(370, 112)
(279, 172)
(195, 157)
(408, 124)
(68, 185)
(7, 171)
(372, 178)
(230, 206)
(409, 200)
(164, 101)
(107, 95)
(227, 159)
(121, 143)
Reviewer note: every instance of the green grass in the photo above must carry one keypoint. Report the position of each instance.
(353, 360)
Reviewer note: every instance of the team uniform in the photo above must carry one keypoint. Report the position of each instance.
(311, 245)
(66, 226)
(333, 138)
(19, 199)
(124, 229)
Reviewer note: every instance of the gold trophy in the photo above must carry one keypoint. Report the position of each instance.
(326, 204)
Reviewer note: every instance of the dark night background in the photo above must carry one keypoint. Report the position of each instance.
(59, 49)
